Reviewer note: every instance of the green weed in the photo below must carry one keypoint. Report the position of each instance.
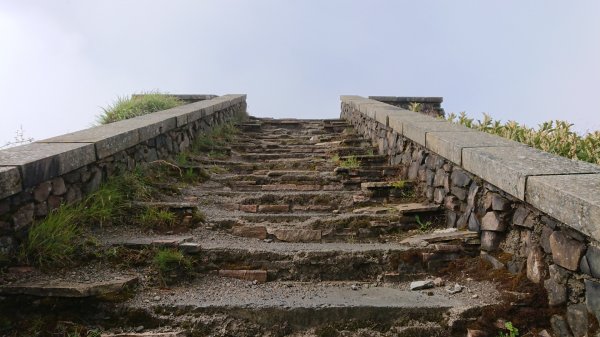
(129, 107)
(400, 184)
(423, 226)
(171, 264)
(54, 241)
(214, 141)
(157, 218)
(350, 162)
(415, 107)
(512, 331)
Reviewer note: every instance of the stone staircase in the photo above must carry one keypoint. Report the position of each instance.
(298, 241)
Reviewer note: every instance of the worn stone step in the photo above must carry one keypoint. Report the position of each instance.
(281, 155)
(52, 287)
(312, 309)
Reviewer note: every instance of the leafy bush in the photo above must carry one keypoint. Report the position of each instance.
(555, 137)
(148, 102)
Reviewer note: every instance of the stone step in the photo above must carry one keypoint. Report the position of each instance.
(59, 287)
(306, 309)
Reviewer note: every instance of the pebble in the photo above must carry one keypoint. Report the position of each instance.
(156, 298)
(457, 288)
(354, 287)
(139, 328)
(475, 296)
(268, 240)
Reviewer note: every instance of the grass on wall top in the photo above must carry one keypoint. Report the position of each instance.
(129, 107)
(555, 137)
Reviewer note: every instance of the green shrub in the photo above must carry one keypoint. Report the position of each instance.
(148, 102)
(555, 137)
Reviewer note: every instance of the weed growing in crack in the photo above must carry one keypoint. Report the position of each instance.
(512, 331)
(350, 162)
(152, 217)
(423, 226)
(171, 265)
(54, 241)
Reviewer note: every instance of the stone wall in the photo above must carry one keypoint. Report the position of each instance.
(431, 106)
(38, 177)
(543, 210)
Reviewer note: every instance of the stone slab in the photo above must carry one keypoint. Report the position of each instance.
(508, 168)
(68, 289)
(572, 199)
(417, 131)
(10, 181)
(108, 139)
(450, 145)
(398, 119)
(39, 162)
(399, 99)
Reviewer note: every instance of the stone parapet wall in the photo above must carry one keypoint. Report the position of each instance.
(541, 209)
(431, 106)
(38, 177)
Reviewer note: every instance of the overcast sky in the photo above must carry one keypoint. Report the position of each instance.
(529, 61)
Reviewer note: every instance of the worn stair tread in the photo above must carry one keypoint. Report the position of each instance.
(214, 292)
(414, 207)
(211, 240)
(146, 334)
(60, 288)
(441, 236)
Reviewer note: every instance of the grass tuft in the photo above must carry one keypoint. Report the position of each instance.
(54, 241)
(157, 218)
(129, 107)
(350, 162)
(171, 264)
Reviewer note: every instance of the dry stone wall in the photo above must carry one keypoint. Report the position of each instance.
(38, 177)
(542, 209)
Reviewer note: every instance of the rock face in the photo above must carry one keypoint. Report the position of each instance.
(566, 252)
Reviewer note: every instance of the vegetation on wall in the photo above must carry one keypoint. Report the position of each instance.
(556, 137)
(137, 105)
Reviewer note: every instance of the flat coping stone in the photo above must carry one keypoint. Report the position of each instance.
(417, 130)
(39, 162)
(400, 99)
(450, 145)
(572, 199)
(509, 168)
(10, 181)
(398, 119)
(108, 139)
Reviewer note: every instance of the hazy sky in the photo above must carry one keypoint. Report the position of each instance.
(530, 61)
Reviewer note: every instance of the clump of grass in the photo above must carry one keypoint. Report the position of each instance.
(58, 239)
(400, 184)
(555, 137)
(415, 107)
(171, 264)
(423, 225)
(54, 240)
(157, 218)
(215, 142)
(350, 162)
(145, 103)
